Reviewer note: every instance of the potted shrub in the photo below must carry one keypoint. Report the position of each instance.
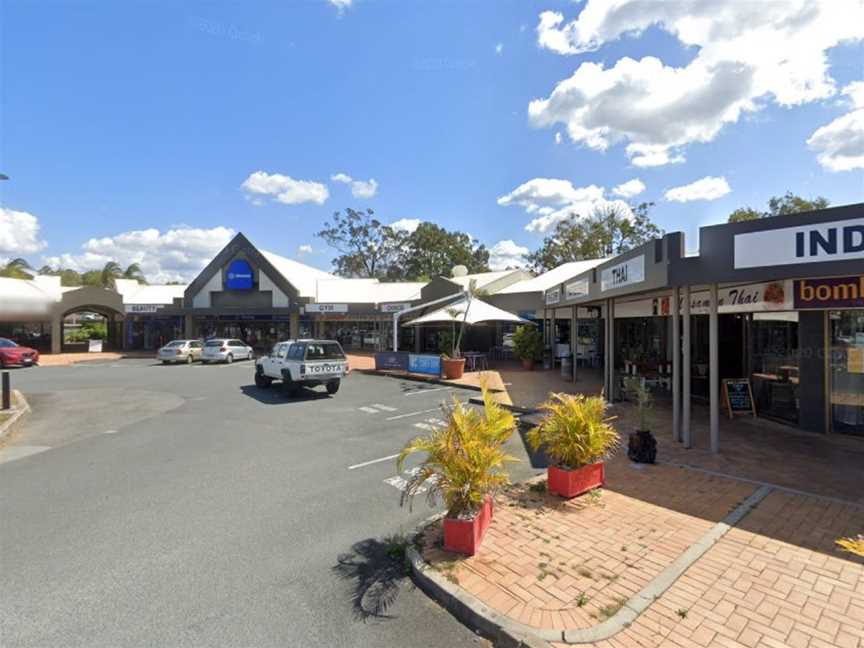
(641, 445)
(452, 361)
(577, 436)
(452, 365)
(527, 345)
(463, 466)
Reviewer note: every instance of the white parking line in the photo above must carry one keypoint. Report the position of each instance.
(374, 461)
(401, 416)
(110, 432)
(11, 453)
(368, 410)
(427, 391)
(429, 424)
(386, 408)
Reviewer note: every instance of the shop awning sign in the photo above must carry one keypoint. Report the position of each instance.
(395, 308)
(143, 308)
(834, 292)
(239, 275)
(835, 241)
(326, 308)
(553, 296)
(577, 289)
(631, 271)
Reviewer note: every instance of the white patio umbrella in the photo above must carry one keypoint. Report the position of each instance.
(479, 312)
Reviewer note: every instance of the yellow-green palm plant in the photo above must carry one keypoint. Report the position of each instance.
(852, 545)
(465, 459)
(575, 430)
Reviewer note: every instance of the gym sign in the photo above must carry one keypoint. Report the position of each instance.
(837, 292)
(837, 241)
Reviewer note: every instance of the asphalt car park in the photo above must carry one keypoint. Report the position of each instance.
(182, 505)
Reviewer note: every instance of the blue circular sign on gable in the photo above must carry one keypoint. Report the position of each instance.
(239, 275)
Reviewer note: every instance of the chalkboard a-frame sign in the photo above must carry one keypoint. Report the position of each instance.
(738, 396)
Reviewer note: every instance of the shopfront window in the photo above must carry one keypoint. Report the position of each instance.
(847, 371)
(774, 364)
(360, 336)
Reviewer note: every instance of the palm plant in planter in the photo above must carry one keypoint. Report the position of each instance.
(464, 466)
(527, 345)
(453, 362)
(577, 436)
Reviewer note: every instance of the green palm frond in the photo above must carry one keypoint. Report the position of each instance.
(575, 430)
(852, 545)
(465, 459)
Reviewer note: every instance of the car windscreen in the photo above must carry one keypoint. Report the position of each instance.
(213, 343)
(324, 351)
(175, 343)
(7, 344)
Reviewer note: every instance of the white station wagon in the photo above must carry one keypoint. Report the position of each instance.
(226, 350)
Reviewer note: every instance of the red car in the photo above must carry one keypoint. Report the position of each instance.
(13, 354)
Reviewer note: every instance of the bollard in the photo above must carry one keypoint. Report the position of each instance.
(7, 392)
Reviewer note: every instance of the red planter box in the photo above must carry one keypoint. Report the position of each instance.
(570, 483)
(465, 536)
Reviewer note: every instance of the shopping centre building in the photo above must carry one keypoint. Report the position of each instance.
(776, 303)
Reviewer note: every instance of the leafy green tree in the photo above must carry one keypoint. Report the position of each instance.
(17, 269)
(788, 203)
(110, 272)
(604, 233)
(432, 251)
(91, 278)
(367, 247)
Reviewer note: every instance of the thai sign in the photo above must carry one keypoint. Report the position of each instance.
(836, 292)
(835, 241)
(631, 271)
(239, 275)
(326, 308)
(576, 289)
(553, 296)
(750, 298)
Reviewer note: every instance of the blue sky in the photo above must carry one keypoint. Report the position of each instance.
(121, 117)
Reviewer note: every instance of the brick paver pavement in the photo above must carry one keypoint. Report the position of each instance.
(774, 580)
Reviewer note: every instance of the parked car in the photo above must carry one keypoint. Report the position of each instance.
(303, 363)
(187, 351)
(12, 353)
(226, 350)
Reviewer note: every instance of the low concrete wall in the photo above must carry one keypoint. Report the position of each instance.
(20, 410)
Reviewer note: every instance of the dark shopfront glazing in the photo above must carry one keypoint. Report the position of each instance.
(846, 329)
(260, 334)
(362, 335)
(36, 335)
(148, 332)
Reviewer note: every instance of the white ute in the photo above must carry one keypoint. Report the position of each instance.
(303, 363)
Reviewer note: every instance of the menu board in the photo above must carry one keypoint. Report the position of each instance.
(855, 360)
(738, 396)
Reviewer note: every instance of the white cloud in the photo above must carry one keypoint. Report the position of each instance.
(558, 137)
(19, 233)
(304, 249)
(341, 5)
(499, 48)
(554, 200)
(630, 188)
(407, 225)
(840, 144)
(177, 254)
(284, 189)
(359, 188)
(507, 254)
(745, 54)
(708, 188)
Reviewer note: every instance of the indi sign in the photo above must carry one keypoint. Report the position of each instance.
(836, 241)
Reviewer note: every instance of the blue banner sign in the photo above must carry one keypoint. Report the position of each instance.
(239, 275)
(424, 364)
(391, 361)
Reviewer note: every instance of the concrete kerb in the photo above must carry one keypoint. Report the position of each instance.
(20, 409)
(506, 632)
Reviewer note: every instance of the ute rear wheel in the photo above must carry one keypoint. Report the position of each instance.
(332, 387)
(263, 381)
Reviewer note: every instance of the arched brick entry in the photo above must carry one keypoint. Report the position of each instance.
(107, 303)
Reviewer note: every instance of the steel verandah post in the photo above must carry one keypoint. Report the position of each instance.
(676, 365)
(7, 392)
(685, 377)
(714, 378)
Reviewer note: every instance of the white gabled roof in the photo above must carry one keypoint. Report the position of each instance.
(552, 278)
(366, 291)
(133, 292)
(303, 277)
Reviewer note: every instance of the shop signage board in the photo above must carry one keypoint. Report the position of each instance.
(326, 308)
(855, 360)
(424, 364)
(391, 361)
(751, 298)
(738, 396)
(142, 308)
(835, 241)
(577, 289)
(239, 275)
(395, 308)
(553, 296)
(94, 346)
(631, 271)
(836, 292)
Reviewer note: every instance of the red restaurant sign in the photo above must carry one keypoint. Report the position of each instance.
(837, 292)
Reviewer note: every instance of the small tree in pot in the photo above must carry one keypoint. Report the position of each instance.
(641, 445)
(454, 363)
(527, 345)
(577, 436)
(464, 466)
